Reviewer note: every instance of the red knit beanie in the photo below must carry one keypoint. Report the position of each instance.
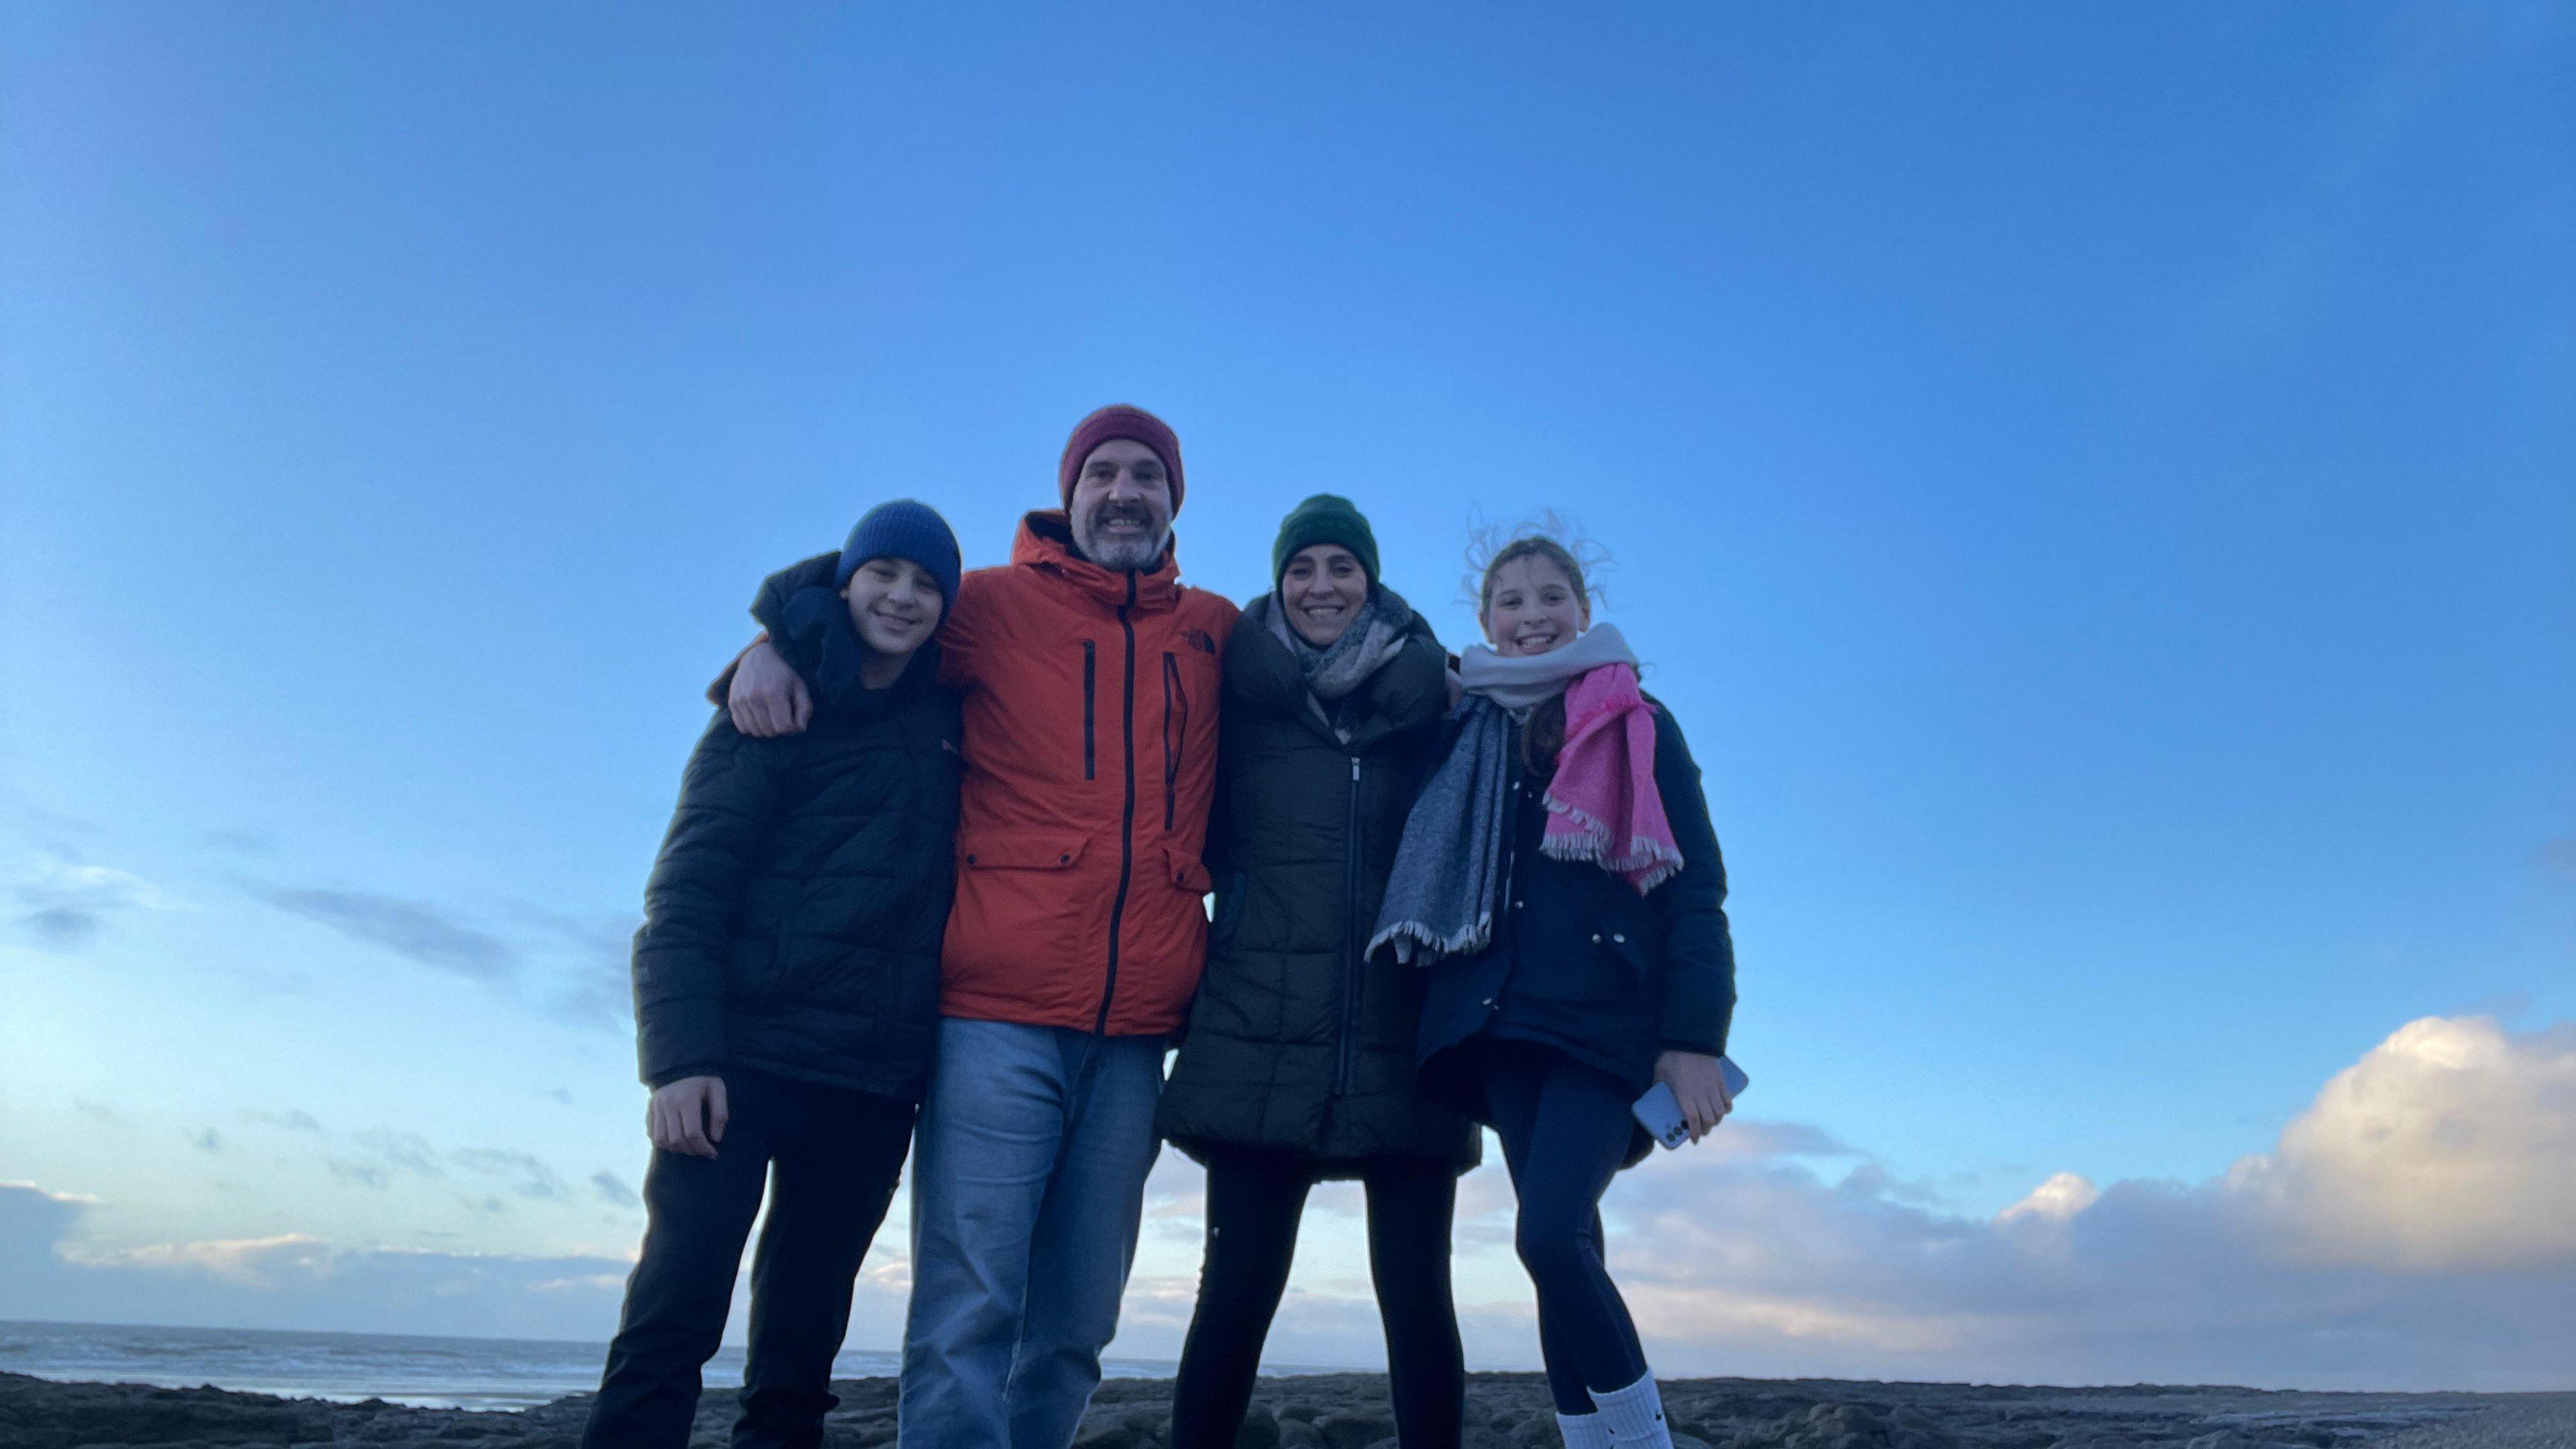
(1118, 420)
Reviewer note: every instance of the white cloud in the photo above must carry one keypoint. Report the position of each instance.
(2412, 1228)
(2408, 1230)
(69, 901)
(250, 1262)
(2056, 1200)
(48, 1269)
(2450, 1146)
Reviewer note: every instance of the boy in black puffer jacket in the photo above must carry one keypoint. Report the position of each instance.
(787, 996)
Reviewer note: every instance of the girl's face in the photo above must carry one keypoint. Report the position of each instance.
(1533, 607)
(1323, 590)
(894, 604)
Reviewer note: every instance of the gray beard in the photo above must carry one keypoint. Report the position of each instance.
(1122, 556)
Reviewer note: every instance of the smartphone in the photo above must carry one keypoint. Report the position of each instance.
(1661, 1115)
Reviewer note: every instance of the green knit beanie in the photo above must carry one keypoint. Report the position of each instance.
(1324, 518)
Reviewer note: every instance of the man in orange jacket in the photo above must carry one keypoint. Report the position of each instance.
(1090, 676)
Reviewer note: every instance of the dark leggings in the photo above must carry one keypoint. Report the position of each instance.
(828, 1160)
(1565, 1128)
(1254, 1200)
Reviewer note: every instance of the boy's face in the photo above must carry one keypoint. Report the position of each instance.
(894, 604)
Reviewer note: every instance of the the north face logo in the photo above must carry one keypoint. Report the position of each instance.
(1200, 639)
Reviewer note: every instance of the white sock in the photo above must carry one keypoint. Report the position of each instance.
(1634, 1416)
(1583, 1431)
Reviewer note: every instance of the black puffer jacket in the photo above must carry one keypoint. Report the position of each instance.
(1293, 1041)
(793, 920)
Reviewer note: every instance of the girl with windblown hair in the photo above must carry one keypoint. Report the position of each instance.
(1560, 883)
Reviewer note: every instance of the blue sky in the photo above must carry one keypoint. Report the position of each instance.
(2097, 487)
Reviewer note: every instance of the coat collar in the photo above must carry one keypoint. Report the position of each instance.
(1045, 543)
(1263, 674)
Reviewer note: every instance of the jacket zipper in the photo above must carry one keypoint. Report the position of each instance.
(1127, 810)
(1351, 929)
(1090, 667)
(1173, 736)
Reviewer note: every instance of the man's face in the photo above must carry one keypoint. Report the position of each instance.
(1122, 506)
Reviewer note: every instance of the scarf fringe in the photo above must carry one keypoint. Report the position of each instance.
(1413, 938)
(1647, 863)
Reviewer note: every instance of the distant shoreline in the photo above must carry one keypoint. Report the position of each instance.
(417, 1370)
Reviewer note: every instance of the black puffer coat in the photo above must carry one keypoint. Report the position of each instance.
(1580, 962)
(1293, 1042)
(793, 920)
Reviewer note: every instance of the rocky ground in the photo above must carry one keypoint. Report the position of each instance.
(1349, 1411)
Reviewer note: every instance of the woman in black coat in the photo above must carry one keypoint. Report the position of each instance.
(1298, 1064)
(1570, 906)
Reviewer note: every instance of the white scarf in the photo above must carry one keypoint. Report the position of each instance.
(1518, 681)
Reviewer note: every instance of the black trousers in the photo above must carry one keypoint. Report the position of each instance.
(1564, 1128)
(829, 1160)
(1255, 1198)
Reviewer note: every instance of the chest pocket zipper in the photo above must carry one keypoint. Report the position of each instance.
(1090, 691)
(1176, 733)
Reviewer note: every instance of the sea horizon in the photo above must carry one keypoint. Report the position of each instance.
(425, 1370)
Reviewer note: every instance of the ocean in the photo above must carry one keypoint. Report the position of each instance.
(462, 1373)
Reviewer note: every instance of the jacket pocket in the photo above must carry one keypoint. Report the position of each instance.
(1623, 944)
(1187, 872)
(1015, 850)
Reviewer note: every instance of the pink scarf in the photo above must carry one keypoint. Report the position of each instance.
(1603, 806)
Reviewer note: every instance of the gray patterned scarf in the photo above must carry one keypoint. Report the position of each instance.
(1449, 873)
(1336, 671)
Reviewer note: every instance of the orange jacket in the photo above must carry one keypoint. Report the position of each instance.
(1090, 744)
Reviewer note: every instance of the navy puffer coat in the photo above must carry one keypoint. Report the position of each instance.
(1583, 964)
(792, 923)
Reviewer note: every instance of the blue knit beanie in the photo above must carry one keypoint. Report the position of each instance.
(904, 529)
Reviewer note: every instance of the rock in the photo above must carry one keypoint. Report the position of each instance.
(1260, 1429)
(1342, 1411)
(1111, 1433)
(1354, 1431)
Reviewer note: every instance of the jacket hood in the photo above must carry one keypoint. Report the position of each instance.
(1045, 543)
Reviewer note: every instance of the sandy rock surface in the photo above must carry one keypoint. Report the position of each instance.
(1350, 1411)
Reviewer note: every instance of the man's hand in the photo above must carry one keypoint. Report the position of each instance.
(767, 699)
(1699, 1085)
(687, 1116)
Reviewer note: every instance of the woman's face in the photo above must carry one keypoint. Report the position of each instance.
(894, 604)
(1532, 607)
(1323, 590)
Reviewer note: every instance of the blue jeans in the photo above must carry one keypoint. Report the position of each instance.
(1032, 1149)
